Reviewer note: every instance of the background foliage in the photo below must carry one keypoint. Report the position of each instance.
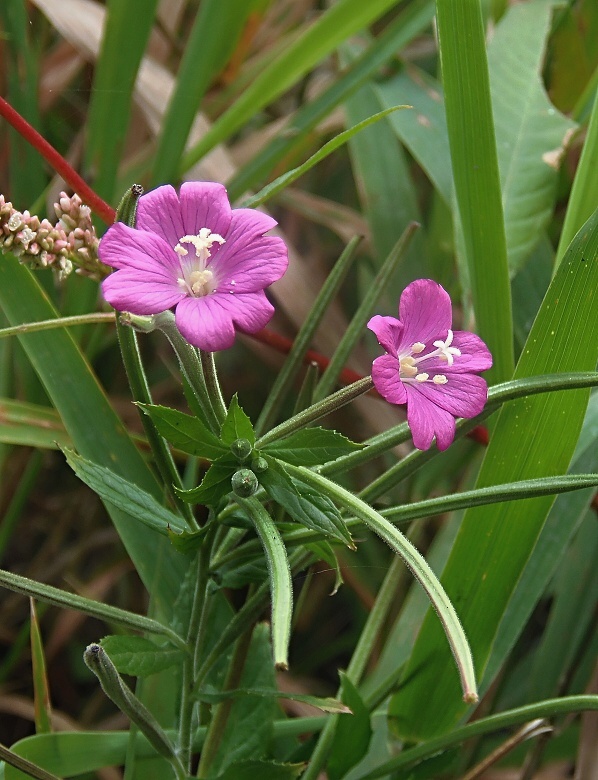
(496, 161)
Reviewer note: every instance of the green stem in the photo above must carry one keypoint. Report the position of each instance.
(217, 727)
(314, 412)
(58, 322)
(359, 659)
(60, 598)
(141, 393)
(213, 385)
(190, 366)
(543, 709)
(416, 563)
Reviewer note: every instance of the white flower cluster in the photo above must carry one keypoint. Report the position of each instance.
(71, 242)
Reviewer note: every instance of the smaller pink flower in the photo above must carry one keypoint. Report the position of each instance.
(429, 367)
(193, 252)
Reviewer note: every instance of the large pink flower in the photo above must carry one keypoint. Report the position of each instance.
(428, 366)
(195, 253)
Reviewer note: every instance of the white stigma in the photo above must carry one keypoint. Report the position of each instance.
(444, 349)
(196, 278)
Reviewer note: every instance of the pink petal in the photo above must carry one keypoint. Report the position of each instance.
(388, 332)
(205, 323)
(464, 395)
(475, 355)
(425, 311)
(385, 375)
(147, 293)
(427, 420)
(205, 204)
(159, 212)
(249, 259)
(250, 311)
(125, 247)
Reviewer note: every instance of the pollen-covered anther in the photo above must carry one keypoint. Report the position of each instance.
(200, 281)
(417, 348)
(439, 379)
(407, 367)
(422, 377)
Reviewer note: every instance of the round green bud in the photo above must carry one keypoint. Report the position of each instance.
(244, 483)
(259, 465)
(241, 449)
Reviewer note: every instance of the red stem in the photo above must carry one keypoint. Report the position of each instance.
(58, 163)
(107, 214)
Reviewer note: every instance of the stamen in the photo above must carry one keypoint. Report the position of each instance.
(417, 348)
(422, 377)
(407, 367)
(439, 379)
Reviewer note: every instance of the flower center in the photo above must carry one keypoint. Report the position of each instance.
(196, 279)
(409, 364)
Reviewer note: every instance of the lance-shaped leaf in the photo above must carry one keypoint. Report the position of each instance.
(184, 431)
(215, 485)
(304, 503)
(237, 424)
(311, 446)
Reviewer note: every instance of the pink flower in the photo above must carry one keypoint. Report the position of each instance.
(197, 254)
(428, 366)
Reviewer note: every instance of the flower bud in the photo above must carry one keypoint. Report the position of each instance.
(259, 465)
(244, 483)
(241, 449)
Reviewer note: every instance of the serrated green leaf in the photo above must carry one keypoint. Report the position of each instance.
(352, 734)
(130, 498)
(265, 770)
(188, 541)
(215, 485)
(311, 446)
(303, 503)
(184, 431)
(139, 657)
(237, 424)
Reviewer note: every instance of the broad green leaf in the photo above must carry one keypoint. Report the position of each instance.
(303, 503)
(534, 436)
(31, 425)
(531, 135)
(311, 446)
(215, 485)
(139, 657)
(92, 424)
(265, 770)
(352, 734)
(475, 174)
(423, 130)
(270, 190)
(237, 424)
(184, 431)
(137, 503)
(563, 520)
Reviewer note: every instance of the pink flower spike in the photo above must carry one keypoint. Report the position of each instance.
(191, 251)
(431, 368)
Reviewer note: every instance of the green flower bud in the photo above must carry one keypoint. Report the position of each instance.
(259, 465)
(241, 449)
(244, 483)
